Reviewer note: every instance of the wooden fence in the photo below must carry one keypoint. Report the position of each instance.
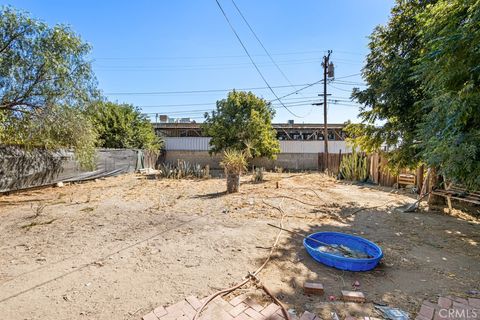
(377, 165)
(334, 160)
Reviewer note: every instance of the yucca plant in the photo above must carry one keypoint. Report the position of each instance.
(258, 175)
(235, 163)
(354, 167)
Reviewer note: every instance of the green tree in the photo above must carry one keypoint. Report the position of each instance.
(122, 126)
(393, 92)
(449, 69)
(242, 121)
(45, 82)
(423, 79)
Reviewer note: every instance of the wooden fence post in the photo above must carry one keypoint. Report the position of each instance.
(434, 182)
(420, 171)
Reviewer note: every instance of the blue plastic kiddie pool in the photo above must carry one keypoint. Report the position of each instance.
(340, 262)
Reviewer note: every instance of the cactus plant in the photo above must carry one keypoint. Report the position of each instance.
(354, 166)
(183, 170)
(258, 174)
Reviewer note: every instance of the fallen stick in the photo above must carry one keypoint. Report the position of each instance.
(412, 207)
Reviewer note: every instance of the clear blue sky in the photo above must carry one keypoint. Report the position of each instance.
(163, 46)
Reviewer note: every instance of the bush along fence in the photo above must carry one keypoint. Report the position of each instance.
(376, 172)
(21, 169)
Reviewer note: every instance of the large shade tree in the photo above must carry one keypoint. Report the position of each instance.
(242, 121)
(45, 83)
(449, 70)
(422, 97)
(392, 92)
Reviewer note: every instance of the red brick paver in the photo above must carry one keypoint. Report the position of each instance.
(239, 308)
(440, 311)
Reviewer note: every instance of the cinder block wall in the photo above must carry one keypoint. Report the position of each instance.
(194, 157)
(291, 161)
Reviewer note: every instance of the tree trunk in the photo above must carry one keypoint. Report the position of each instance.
(434, 183)
(233, 182)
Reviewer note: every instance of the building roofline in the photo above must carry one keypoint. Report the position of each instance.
(179, 125)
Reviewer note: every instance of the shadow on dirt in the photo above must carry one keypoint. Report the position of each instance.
(212, 195)
(415, 266)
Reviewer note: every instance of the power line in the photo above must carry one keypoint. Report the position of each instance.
(300, 104)
(193, 111)
(251, 59)
(201, 66)
(261, 44)
(204, 103)
(297, 91)
(339, 88)
(349, 76)
(214, 102)
(227, 56)
(305, 86)
(203, 91)
(348, 83)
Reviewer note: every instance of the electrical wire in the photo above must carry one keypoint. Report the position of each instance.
(199, 91)
(331, 85)
(192, 113)
(202, 66)
(228, 56)
(253, 61)
(349, 76)
(261, 44)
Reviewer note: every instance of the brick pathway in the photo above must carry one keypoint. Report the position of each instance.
(450, 308)
(239, 308)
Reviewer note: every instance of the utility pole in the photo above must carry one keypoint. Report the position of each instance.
(328, 71)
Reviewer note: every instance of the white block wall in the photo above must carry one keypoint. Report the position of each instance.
(295, 146)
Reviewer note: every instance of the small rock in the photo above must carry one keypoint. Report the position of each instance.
(59, 184)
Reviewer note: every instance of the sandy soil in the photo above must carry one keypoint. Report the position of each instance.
(116, 248)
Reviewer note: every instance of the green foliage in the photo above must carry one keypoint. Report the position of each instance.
(354, 166)
(234, 161)
(45, 82)
(122, 126)
(392, 90)
(450, 72)
(242, 121)
(423, 80)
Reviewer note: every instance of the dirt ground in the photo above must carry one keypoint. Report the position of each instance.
(117, 248)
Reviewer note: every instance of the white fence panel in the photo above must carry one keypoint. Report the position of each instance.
(289, 146)
(336, 146)
(187, 143)
(316, 146)
(286, 146)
